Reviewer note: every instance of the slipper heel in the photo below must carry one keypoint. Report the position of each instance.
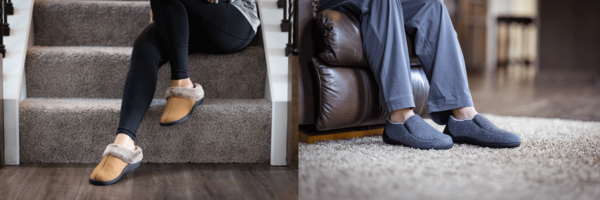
(386, 138)
(454, 139)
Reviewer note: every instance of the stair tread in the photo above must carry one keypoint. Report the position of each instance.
(115, 104)
(58, 130)
(79, 49)
(91, 23)
(83, 72)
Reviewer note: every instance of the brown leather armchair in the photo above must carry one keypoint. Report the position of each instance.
(337, 91)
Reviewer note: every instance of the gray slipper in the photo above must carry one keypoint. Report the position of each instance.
(480, 131)
(415, 132)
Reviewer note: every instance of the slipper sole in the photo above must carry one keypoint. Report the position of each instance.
(468, 140)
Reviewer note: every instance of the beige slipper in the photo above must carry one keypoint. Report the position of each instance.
(181, 102)
(117, 160)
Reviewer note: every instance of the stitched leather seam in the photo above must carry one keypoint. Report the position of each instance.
(320, 82)
(367, 97)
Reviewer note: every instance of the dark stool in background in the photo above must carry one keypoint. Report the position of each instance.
(506, 56)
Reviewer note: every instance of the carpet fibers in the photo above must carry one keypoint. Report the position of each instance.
(75, 75)
(558, 159)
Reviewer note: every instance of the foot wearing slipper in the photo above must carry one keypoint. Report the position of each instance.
(181, 102)
(116, 161)
(416, 133)
(480, 131)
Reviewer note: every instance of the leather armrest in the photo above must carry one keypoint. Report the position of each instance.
(341, 42)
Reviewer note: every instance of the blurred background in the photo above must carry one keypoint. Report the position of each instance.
(537, 58)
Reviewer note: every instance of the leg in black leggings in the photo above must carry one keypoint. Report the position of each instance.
(171, 17)
(215, 28)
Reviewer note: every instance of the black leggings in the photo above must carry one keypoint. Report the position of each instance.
(214, 28)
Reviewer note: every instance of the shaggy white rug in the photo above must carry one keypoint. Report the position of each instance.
(557, 159)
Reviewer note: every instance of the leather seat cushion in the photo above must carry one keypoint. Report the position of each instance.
(349, 96)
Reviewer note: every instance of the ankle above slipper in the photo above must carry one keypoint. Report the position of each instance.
(480, 131)
(181, 102)
(116, 161)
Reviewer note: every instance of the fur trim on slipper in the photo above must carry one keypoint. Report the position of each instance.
(196, 93)
(124, 153)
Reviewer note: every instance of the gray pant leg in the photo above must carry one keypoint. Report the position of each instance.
(384, 43)
(438, 49)
(383, 24)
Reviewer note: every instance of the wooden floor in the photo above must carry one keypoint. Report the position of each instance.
(151, 181)
(516, 93)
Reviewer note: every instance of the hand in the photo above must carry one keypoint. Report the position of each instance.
(213, 1)
(151, 17)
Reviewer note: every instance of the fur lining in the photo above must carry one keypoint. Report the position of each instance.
(124, 153)
(196, 93)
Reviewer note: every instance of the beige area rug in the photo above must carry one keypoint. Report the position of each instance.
(558, 159)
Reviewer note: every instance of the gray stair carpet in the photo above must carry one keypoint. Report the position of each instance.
(75, 74)
(100, 72)
(77, 131)
(91, 23)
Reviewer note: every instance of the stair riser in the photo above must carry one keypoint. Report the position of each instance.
(101, 73)
(216, 133)
(92, 23)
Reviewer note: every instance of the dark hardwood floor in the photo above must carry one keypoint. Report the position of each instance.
(151, 181)
(521, 92)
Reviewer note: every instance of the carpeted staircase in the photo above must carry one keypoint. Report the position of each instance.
(75, 75)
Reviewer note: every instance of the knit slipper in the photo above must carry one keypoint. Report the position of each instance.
(480, 131)
(117, 160)
(181, 102)
(416, 133)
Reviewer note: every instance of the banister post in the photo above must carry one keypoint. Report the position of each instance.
(5, 27)
(2, 49)
(293, 67)
(285, 22)
(9, 9)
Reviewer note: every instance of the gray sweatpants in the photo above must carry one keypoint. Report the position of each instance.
(383, 26)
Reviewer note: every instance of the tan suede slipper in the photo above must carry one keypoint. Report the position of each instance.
(181, 102)
(117, 160)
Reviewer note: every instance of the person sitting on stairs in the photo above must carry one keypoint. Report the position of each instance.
(177, 29)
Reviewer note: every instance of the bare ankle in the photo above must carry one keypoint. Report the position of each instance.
(186, 82)
(124, 140)
(464, 113)
(401, 115)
